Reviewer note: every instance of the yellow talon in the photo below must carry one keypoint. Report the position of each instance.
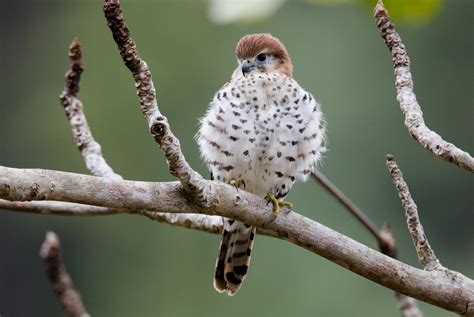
(286, 204)
(236, 182)
(276, 206)
(277, 203)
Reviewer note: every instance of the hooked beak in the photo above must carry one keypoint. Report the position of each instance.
(247, 67)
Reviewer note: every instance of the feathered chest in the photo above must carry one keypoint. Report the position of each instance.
(262, 126)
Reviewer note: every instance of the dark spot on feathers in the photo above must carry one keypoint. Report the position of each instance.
(233, 138)
(279, 174)
(290, 158)
(231, 278)
(237, 255)
(241, 270)
(313, 136)
(227, 153)
(241, 242)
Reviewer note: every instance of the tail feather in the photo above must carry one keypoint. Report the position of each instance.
(234, 256)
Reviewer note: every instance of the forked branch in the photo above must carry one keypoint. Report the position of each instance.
(435, 287)
(91, 152)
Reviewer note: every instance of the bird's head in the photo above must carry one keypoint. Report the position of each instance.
(263, 53)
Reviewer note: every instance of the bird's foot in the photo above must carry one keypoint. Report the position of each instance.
(277, 203)
(237, 183)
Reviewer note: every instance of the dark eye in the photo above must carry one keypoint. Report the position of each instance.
(261, 57)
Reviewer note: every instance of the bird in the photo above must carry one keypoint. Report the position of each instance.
(262, 132)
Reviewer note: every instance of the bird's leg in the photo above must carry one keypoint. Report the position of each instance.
(277, 203)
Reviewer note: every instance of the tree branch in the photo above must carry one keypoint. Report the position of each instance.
(407, 99)
(92, 154)
(89, 148)
(453, 292)
(59, 278)
(425, 253)
(384, 237)
(158, 124)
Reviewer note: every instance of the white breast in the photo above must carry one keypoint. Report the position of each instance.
(264, 129)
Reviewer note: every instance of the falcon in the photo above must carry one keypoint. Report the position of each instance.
(261, 133)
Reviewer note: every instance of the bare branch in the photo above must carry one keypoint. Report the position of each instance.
(90, 149)
(206, 223)
(59, 278)
(384, 237)
(57, 208)
(96, 163)
(425, 253)
(451, 291)
(158, 124)
(407, 99)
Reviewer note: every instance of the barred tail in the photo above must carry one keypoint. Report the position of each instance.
(234, 256)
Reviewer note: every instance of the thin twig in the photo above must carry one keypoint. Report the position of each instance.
(158, 124)
(407, 99)
(349, 205)
(89, 148)
(59, 278)
(451, 291)
(425, 253)
(384, 237)
(205, 223)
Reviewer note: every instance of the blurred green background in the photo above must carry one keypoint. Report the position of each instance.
(131, 266)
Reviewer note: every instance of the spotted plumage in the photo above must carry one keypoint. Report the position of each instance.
(261, 128)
